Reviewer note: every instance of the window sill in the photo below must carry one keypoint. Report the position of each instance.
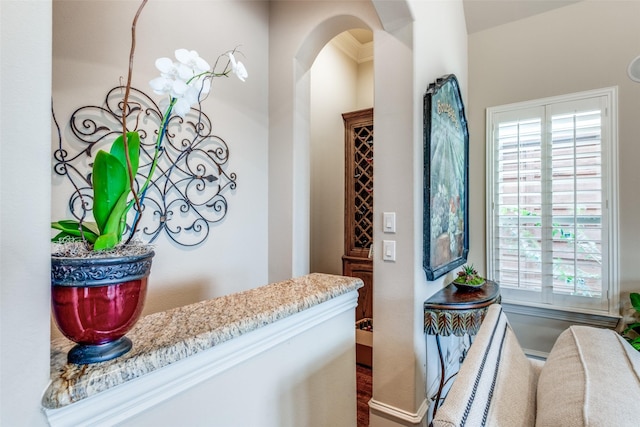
(603, 320)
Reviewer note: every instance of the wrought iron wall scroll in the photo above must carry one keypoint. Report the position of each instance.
(187, 194)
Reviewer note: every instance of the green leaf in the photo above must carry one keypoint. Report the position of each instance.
(66, 236)
(117, 150)
(71, 228)
(112, 232)
(109, 184)
(116, 221)
(70, 224)
(106, 241)
(635, 300)
(631, 327)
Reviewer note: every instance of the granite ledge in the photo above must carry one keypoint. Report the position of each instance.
(163, 338)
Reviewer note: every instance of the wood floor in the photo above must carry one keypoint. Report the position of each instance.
(364, 388)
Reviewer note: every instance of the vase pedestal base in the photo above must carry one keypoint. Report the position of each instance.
(83, 354)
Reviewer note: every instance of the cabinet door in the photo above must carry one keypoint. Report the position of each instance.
(361, 269)
(358, 220)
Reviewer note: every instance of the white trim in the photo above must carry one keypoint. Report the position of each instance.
(535, 354)
(359, 52)
(565, 314)
(129, 399)
(577, 96)
(401, 414)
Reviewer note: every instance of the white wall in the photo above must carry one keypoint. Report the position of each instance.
(364, 95)
(90, 56)
(25, 85)
(338, 85)
(334, 80)
(583, 46)
(414, 55)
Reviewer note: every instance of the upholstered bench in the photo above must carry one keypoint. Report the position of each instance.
(591, 378)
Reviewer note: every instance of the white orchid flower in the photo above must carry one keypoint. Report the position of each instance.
(188, 80)
(202, 85)
(178, 89)
(166, 66)
(190, 64)
(161, 85)
(237, 67)
(181, 107)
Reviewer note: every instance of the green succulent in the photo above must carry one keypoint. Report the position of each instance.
(469, 276)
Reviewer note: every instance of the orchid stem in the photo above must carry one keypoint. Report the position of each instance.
(154, 163)
(125, 104)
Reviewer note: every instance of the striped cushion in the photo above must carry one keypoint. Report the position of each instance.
(496, 384)
(591, 378)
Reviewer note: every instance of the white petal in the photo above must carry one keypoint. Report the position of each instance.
(191, 96)
(178, 89)
(185, 72)
(232, 59)
(165, 65)
(201, 65)
(181, 108)
(241, 71)
(160, 85)
(183, 55)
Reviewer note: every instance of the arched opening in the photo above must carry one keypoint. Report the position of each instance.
(396, 144)
(341, 80)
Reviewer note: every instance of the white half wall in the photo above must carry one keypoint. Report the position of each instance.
(298, 371)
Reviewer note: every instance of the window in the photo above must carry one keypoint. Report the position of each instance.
(551, 201)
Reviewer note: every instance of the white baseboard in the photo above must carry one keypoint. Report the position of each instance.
(401, 415)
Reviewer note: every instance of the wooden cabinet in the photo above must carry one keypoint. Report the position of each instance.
(362, 269)
(358, 222)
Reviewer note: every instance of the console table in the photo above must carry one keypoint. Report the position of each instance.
(452, 312)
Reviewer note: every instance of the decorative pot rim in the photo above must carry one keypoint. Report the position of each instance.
(103, 271)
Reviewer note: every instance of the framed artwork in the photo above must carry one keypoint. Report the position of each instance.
(446, 178)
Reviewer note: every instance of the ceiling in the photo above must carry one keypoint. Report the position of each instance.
(483, 14)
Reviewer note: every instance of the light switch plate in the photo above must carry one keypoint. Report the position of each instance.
(388, 222)
(388, 250)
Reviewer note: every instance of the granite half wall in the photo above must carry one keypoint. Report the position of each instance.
(177, 349)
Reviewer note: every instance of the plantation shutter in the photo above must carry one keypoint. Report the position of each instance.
(547, 219)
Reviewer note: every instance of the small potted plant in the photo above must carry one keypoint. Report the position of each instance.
(468, 278)
(99, 270)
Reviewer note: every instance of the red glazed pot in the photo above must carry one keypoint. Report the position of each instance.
(96, 301)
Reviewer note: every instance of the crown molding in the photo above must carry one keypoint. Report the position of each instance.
(359, 52)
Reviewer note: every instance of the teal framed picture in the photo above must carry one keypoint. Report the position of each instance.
(446, 178)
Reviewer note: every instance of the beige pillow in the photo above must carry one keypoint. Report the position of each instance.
(496, 385)
(591, 378)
